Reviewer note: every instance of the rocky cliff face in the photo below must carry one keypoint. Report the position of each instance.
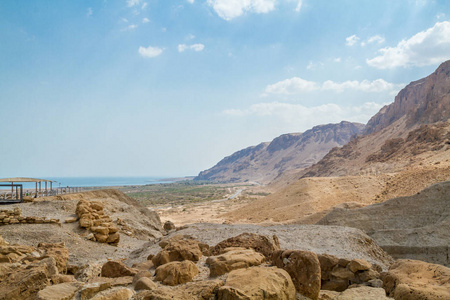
(286, 152)
(417, 122)
(423, 101)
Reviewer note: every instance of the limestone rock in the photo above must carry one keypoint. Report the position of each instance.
(168, 226)
(58, 251)
(192, 290)
(116, 281)
(24, 283)
(359, 265)
(363, 293)
(304, 269)
(174, 273)
(259, 243)
(89, 290)
(143, 266)
(337, 285)
(413, 279)
(140, 275)
(232, 260)
(115, 294)
(178, 250)
(114, 269)
(145, 283)
(62, 291)
(327, 263)
(258, 283)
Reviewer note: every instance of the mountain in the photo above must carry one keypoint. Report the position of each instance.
(413, 128)
(287, 152)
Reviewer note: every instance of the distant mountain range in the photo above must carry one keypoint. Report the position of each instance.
(294, 151)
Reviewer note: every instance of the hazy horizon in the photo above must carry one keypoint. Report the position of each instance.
(145, 88)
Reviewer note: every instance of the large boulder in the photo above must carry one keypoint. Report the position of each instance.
(257, 242)
(24, 283)
(362, 293)
(62, 291)
(413, 279)
(114, 269)
(174, 273)
(114, 294)
(192, 290)
(258, 283)
(232, 259)
(178, 250)
(304, 269)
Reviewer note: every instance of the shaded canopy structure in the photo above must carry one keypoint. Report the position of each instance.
(15, 183)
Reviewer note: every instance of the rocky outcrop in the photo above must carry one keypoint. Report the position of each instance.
(178, 248)
(175, 273)
(92, 217)
(258, 283)
(113, 269)
(14, 216)
(232, 259)
(304, 269)
(406, 227)
(266, 161)
(259, 243)
(192, 290)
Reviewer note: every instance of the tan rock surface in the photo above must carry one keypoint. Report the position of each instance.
(413, 279)
(115, 294)
(62, 291)
(24, 283)
(362, 293)
(189, 291)
(145, 283)
(304, 269)
(233, 259)
(258, 283)
(259, 243)
(178, 250)
(114, 269)
(175, 273)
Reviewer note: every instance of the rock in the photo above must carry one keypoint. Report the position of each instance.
(365, 276)
(413, 279)
(259, 243)
(62, 291)
(57, 279)
(88, 272)
(337, 285)
(178, 250)
(327, 263)
(375, 283)
(115, 294)
(100, 230)
(90, 237)
(174, 273)
(143, 266)
(114, 269)
(192, 290)
(145, 283)
(359, 265)
(50, 266)
(232, 260)
(363, 293)
(328, 295)
(24, 283)
(304, 269)
(71, 220)
(140, 275)
(257, 283)
(89, 290)
(342, 273)
(58, 251)
(116, 281)
(168, 226)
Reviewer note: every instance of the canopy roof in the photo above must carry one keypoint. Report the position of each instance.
(23, 179)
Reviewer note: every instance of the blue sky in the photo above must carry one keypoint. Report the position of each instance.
(170, 87)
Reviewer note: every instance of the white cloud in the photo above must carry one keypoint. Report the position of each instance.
(150, 51)
(144, 5)
(427, 47)
(190, 1)
(376, 86)
(89, 12)
(230, 9)
(440, 16)
(351, 40)
(145, 20)
(190, 37)
(376, 39)
(124, 20)
(313, 66)
(130, 27)
(301, 116)
(299, 6)
(298, 85)
(132, 3)
(337, 59)
(291, 86)
(194, 47)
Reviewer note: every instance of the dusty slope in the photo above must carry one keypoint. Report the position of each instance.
(408, 227)
(293, 151)
(144, 224)
(307, 200)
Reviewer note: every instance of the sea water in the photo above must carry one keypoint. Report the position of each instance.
(94, 181)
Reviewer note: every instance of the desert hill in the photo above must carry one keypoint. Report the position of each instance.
(414, 227)
(293, 151)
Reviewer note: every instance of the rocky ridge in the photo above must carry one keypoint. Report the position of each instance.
(294, 151)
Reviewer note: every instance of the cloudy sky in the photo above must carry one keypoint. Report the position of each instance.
(170, 87)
